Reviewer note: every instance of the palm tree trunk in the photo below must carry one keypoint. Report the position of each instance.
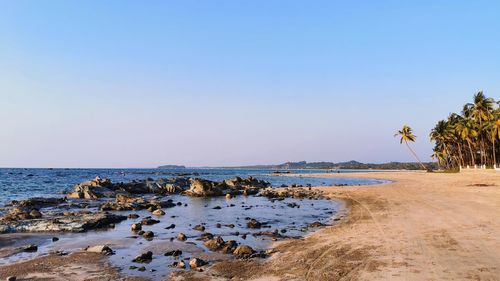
(494, 154)
(414, 154)
(471, 153)
(462, 162)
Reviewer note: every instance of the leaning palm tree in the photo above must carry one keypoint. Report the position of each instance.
(407, 135)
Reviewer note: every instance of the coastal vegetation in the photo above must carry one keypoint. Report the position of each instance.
(469, 138)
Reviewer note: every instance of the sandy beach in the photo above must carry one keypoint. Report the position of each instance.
(422, 226)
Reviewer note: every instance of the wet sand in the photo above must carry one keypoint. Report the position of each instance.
(424, 226)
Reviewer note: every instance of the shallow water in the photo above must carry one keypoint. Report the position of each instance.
(277, 214)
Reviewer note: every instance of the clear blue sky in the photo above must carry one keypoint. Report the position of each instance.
(143, 83)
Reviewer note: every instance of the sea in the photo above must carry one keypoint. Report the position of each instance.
(21, 183)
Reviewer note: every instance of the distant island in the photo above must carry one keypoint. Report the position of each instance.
(171, 167)
(355, 165)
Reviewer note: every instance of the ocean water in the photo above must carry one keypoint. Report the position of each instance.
(21, 183)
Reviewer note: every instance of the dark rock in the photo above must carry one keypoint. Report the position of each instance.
(172, 226)
(149, 221)
(196, 262)
(30, 248)
(253, 223)
(199, 227)
(174, 253)
(148, 234)
(144, 257)
(181, 237)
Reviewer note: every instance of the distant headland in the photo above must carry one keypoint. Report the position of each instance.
(353, 165)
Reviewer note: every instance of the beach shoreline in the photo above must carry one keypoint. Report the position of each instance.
(419, 226)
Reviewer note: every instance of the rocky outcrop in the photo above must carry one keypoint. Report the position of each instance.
(291, 192)
(69, 222)
(228, 188)
(93, 189)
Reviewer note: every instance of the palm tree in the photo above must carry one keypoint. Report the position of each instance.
(407, 135)
(470, 137)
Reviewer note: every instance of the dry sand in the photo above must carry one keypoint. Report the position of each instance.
(424, 226)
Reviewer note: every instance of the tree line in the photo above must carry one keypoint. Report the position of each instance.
(471, 137)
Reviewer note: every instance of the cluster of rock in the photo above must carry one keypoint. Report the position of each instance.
(61, 222)
(291, 192)
(236, 186)
(104, 188)
(217, 244)
(124, 202)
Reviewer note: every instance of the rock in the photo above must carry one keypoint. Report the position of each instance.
(148, 234)
(149, 221)
(142, 268)
(295, 192)
(93, 189)
(214, 244)
(253, 223)
(206, 236)
(217, 208)
(30, 248)
(228, 196)
(35, 214)
(196, 262)
(133, 216)
(179, 264)
(181, 237)
(243, 251)
(55, 239)
(39, 202)
(158, 212)
(172, 226)
(67, 222)
(136, 227)
(173, 253)
(199, 227)
(229, 247)
(11, 278)
(316, 224)
(103, 249)
(203, 188)
(144, 257)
